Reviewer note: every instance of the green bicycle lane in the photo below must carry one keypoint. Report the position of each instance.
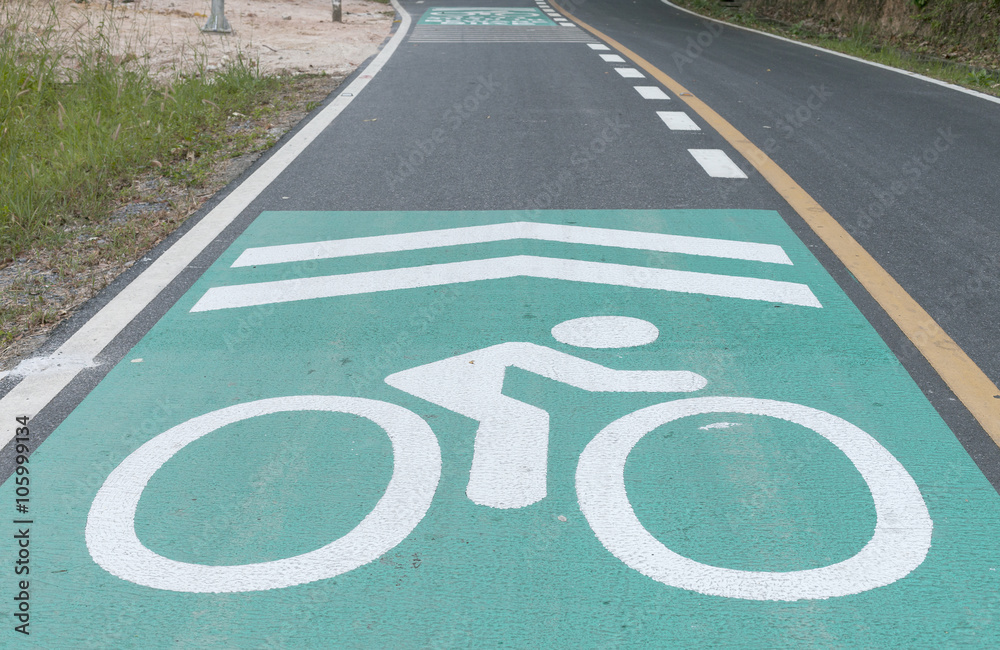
(766, 473)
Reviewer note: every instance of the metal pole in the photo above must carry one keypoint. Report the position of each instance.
(336, 12)
(217, 20)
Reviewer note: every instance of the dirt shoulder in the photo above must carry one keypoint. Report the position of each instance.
(290, 36)
(293, 39)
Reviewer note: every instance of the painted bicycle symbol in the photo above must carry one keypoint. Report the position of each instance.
(509, 470)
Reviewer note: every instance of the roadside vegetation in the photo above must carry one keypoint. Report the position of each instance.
(100, 158)
(79, 124)
(936, 38)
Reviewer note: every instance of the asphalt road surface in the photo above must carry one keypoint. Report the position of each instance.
(402, 383)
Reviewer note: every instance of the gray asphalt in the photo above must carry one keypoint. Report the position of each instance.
(524, 126)
(908, 167)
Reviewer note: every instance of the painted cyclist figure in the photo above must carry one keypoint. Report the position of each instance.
(509, 464)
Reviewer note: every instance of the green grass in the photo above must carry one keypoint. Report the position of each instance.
(78, 124)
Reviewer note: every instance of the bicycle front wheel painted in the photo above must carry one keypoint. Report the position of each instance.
(898, 545)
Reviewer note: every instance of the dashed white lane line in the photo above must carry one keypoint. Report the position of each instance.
(717, 163)
(678, 121)
(651, 92)
(714, 161)
(630, 73)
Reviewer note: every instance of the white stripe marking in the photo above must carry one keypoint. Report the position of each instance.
(717, 163)
(35, 391)
(411, 241)
(652, 92)
(597, 46)
(915, 75)
(567, 24)
(639, 277)
(612, 58)
(630, 73)
(678, 121)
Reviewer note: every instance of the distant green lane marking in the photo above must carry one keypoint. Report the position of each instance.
(504, 16)
(258, 433)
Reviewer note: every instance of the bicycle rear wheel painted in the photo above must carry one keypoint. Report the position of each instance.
(113, 544)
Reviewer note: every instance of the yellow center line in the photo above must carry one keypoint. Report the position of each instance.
(965, 379)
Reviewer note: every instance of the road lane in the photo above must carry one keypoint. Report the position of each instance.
(898, 161)
(230, 481)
